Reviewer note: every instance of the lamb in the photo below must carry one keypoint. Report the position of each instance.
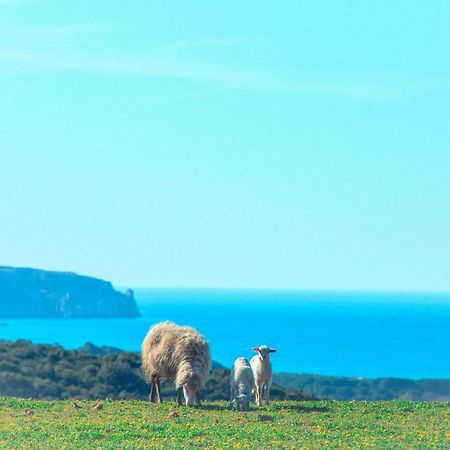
(177, 353)
(262, 371)
(241, 384)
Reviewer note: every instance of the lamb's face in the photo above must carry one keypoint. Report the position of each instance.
(264, 351)
(244, 402)
(190, 393)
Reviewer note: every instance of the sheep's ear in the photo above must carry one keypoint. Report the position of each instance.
(255, 349)
(272, 350)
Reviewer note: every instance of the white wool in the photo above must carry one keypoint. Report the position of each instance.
(177, 353)
(241, 384)
(262, 372)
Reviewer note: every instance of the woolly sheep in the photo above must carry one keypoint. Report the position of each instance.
(241, 384)
(177, 353)
(262, 371)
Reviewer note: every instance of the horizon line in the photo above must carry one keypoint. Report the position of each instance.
(283, 289)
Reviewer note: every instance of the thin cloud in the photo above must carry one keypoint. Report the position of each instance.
(54, 33)
(177, 68)
(170, 61)
(156, 67)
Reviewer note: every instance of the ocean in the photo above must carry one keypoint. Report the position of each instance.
(357, 334)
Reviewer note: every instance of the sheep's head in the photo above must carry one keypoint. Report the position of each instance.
(244, 402)
(190, 394)
(263, 351)
(190, 389)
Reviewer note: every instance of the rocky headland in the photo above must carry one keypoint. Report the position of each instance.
(34, 293)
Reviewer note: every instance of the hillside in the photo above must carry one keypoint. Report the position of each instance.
(346, 388)
(26, 293)
(50, 372)
(31, 424)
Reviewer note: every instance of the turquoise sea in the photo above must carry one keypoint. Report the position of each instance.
(359, 334)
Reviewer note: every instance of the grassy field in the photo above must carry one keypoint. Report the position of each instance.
(136, 424)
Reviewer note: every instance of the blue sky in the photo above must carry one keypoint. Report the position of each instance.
(241, 144)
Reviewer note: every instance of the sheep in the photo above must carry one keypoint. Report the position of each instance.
(262, 371)
(177, 353)
(241, 384)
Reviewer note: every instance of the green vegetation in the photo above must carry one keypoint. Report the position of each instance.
(30, 424)
(345, 388)
(123, 420)
(50, 372)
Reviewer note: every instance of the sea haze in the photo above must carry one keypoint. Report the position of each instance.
(359, 334)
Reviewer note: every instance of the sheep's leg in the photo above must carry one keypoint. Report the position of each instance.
(179, 389)
(151, 397)
(158, 390)
(199, 403)
(153, 391)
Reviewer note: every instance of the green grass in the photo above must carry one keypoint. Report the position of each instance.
(137, 424)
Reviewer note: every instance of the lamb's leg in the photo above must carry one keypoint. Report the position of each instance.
(158, 390)
(199, 403)
(179, 396)
(153, 391)
(258, 394)
(231, 397)
(267, 393)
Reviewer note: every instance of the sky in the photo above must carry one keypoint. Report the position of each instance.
(251, 144)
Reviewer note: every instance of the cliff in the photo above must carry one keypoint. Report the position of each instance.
(26, 293)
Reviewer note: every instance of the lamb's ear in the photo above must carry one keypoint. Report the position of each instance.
(255, 349)
(272, 350)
